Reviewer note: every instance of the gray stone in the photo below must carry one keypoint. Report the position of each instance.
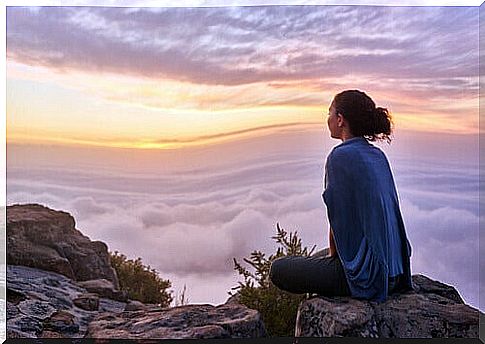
(87, 301)
(14, 296)
(12, 310)
(35, 308)
(104, 288)
(61, 285)
(61, 322)
(134, 305)
(15, 333)
(42, 308)
(433, 309)
(188, 321)
(25, 324)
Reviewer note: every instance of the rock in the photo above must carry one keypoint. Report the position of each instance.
(15, 333)
(233, 299)
(104, 288)
(87, 301)
(61, 322)
(36, 308)
(14, 296)
(51, 334)
(433, 309)
(425, 285)
(24, 324)
(12, 310)
(47, 305)
(44, 305)
(188, 321)
(134, 305)
(108, 305)
(43, 238)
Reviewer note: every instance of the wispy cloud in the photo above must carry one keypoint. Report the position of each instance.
(239, 45)
(217, 67)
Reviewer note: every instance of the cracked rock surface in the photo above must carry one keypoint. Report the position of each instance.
(44, 304)
(188, 321)
(433, 309)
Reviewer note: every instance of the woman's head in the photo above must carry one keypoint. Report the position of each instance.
(354, 112)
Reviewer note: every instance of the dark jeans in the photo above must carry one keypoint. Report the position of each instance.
(317, 274)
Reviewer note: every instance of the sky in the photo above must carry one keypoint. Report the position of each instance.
(231, 71)
(182, 135)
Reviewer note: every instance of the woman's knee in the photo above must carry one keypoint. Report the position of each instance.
(276, 271)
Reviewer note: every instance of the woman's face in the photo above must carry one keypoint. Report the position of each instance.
(334, 122)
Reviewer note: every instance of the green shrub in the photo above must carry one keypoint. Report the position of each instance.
(141, 282)
(278, 308)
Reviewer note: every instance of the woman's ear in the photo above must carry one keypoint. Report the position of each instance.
(340, 120)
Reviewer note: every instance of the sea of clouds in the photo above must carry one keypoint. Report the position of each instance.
(189, 212)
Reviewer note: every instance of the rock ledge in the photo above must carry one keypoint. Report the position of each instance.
(433, 309)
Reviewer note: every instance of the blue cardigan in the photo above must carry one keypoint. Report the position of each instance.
(363, 211)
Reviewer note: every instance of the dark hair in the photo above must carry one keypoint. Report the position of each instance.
(364, 118)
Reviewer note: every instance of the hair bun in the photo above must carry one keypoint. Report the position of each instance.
(365, 119)
(383, 121)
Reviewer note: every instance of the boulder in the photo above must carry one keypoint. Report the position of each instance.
(61, 322)
(43, 238)
(104, 288)
(134, 305)
(87, 301)
(432, 309)
(188, 321)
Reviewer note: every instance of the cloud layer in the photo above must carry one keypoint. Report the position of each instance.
(189, 224)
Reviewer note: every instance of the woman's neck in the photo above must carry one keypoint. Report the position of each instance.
(346, 136)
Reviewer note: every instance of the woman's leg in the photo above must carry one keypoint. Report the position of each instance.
(321, 253)
(315, 274)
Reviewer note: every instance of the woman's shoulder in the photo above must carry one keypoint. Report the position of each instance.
(343, 152)
(356, 152)
(341, 158)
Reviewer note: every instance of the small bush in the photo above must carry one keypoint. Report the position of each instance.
(141, 282)
(278, 308)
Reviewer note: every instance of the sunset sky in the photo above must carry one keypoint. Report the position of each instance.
(167, 131)
(172, 77)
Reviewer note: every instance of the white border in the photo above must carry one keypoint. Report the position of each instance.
(220, 3)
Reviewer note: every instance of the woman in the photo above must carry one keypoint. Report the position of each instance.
(368, 253)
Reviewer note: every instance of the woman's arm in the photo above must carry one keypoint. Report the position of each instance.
(332, 250)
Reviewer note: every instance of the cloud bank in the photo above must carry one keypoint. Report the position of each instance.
(189, 224)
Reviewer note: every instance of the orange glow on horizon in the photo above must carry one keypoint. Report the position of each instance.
(407, 123)
(181, 143)
(110, 110)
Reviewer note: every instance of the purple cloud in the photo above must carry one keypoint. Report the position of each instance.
(240, 45)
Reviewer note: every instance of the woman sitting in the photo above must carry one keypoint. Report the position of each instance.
(368, 253)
